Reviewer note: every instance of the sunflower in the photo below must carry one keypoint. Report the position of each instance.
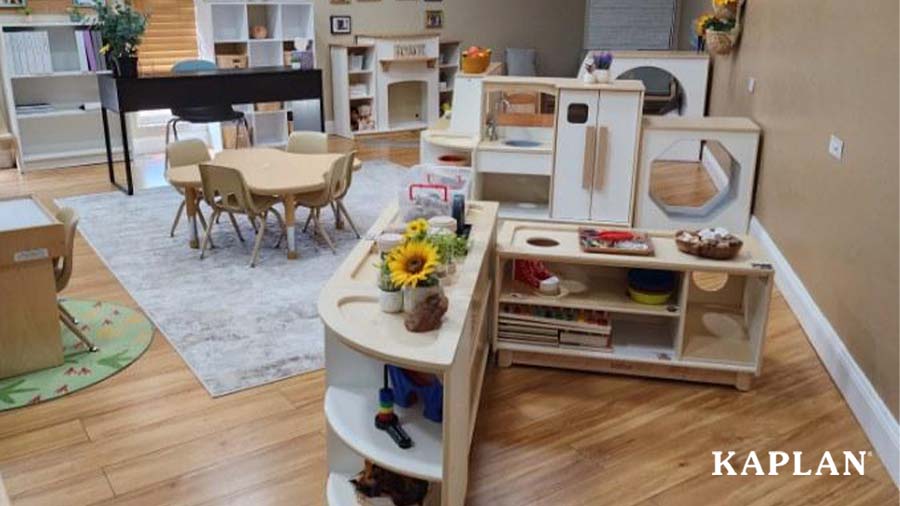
(416, 228)
(412, 263)
(701, 22)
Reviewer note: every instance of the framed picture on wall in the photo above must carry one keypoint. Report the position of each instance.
(12, 4)
(340, 25)
(434, 19)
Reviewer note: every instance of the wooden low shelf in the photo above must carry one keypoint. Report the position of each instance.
(703, 333)
(360, 340)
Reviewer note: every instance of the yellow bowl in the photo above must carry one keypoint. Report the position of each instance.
(650, 298)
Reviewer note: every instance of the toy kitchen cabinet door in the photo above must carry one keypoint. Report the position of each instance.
(594, 174)
(618, 122)
(576, 143)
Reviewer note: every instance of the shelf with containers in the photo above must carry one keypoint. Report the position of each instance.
(247, 34)
(709, 329)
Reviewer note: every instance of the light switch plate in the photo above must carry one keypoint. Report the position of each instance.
(836, 147)
(751, 84)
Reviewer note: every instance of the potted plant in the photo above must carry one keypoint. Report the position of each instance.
(390, 298)
(121, 28)
(602, 62)
(413, 266)
(26, 11)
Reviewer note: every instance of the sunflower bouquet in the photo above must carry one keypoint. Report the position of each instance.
(413, 264)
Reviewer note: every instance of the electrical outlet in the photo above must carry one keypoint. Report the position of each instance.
(751, 84)
(836, 147)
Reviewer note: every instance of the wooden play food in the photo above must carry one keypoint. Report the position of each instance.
(723, 249)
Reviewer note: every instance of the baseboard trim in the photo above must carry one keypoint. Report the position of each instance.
(872, 413)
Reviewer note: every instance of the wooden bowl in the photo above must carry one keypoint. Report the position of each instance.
(722, 250)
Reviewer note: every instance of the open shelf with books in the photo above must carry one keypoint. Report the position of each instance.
(52, 98)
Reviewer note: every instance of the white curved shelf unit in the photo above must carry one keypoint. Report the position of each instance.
(350, 412)
(360, 340)
(339, 491)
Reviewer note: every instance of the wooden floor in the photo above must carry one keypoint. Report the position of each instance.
(152, 436)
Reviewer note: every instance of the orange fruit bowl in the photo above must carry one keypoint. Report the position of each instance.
(476, 64)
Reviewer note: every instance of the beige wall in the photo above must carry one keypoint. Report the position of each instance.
(555, 27)
(823, 67)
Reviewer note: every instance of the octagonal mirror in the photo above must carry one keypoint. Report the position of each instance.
(693, 177)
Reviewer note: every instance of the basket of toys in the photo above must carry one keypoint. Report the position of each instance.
(475, 60)
(715, 243)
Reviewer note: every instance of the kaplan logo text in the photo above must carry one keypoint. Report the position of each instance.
(726, 464)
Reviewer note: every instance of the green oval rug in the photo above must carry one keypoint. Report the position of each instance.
(121, 334)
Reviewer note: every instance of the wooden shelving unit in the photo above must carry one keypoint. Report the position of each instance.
(703, 333)
(63, 135)
(360, 340)
(225, 30)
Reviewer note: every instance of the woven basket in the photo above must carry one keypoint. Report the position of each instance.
(707, 250)
(474, 64)
(728, 11)
(719, 42)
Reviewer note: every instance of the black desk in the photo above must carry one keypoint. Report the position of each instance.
(210, 87)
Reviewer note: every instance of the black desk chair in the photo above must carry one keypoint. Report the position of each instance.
(206, 113)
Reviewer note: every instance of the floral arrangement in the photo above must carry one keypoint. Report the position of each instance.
(415, 262)
(603, 60)
(718, 30)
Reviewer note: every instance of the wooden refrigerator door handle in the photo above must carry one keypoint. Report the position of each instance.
(590, 156)
(600, 157)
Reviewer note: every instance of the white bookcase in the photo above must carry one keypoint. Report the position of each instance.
(225, 35)
(397, 76)
(448, 65)
(62, 133)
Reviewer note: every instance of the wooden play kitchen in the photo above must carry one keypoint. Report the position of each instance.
(704, 329)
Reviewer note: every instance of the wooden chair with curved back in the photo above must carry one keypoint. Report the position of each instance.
(226, 191)
(179, 154)
(337, 205)
(62, 271)
(335, 184)
(307, 142)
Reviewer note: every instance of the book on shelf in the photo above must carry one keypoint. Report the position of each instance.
(36, 108)
(29, 52)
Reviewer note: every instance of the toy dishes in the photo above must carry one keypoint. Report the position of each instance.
(716, 243)
(650, 286)
(622, 242)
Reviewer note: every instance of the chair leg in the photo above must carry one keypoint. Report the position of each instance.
(175, 128)
(259, 238)
(66, 311)
(322, 232)
(237, 229)
(206, 235)
(75, 330)
(343, 210)
(203, 224)
(281, 224)
(309, 218)
(177, 218)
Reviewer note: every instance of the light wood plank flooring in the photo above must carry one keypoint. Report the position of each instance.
(152, 436)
